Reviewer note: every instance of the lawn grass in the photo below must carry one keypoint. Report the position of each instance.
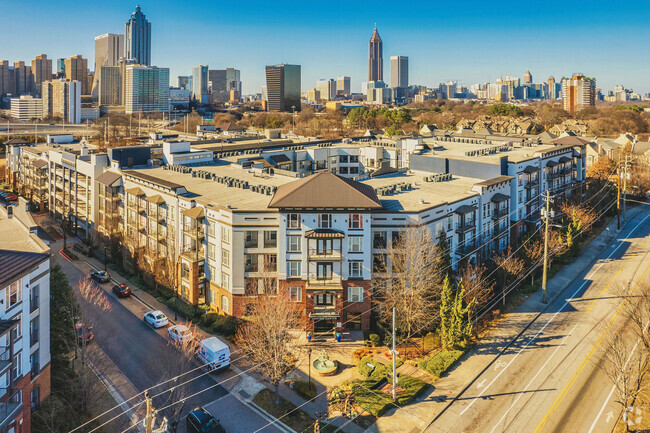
(297, 419)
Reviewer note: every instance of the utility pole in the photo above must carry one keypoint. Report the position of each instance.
(626, 174)
(618, 196)
(394, 358)
(547, 215)
(149, 417)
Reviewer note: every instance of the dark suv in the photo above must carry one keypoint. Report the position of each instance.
(200, 421)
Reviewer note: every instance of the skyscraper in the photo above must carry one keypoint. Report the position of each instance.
(200, 83)
(399, 72)
(76, 69)
(327, 89)
(108, 50)
(375, 57)
(137, 38)
(6, 83)
(62, 98)
(42, 71)
(550, 84)
(283, 87)
(222, 81)
(146, 89)
(528, 77)
(109, 88)
(578, 92)
(343, 86)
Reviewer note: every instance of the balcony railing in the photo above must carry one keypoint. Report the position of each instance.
(325, 253)
(5, 359)
(465, 226)
(10, 408)
(466, 248)
(320, 281)
(499, 213)
(531, 183)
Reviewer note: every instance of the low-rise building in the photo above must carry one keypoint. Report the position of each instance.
(26, 108)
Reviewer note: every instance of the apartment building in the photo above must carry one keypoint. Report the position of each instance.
(24, 319)
(225, 222)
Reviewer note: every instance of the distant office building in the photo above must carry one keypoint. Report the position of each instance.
(343, 86)
(550, 88)
(264, 96)
(378, 93)
(528, 77)
(184, 82)
(6, 81)
(313, 96)
(62, 99)
(179, 98)
(109, 90)
(41, 70)
(137, 38)
(283, 87)
(26, 108)
(448, 89)
(375, 57)
(233, 80)
(235, 97)
(578, 92)
(22, 78)
(60, 68)
(327, 89)
(399, 72)
(76, 69)
(222, 81)
(200, 83)
(109, 48)
(146, 89)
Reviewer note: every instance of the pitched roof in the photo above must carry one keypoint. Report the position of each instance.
(571, 140)
(325, 190)
(108, 178)
(135, 191)
(15, 264)
(195, 213)
(38, 163)
(157, 199)
(498, 197)
(232, 127)
(16, 141)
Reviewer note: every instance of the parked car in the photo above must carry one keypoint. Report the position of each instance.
(100, 276)
(180, 333)
(122, 290)
(214, 353)
(156, 319)
(84, 333)
(11, 198)
(200, 421)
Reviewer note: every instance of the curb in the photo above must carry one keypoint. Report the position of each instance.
(515, 338)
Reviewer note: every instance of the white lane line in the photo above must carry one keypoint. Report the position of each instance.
(533, 379)
(587, 278)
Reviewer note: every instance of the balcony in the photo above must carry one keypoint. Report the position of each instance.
(531, 183)
(316, 282)
(10, 408)
(465, 226)
(324, 312)
(325, 254)
(499, 230)
(5, 359)
(499, 213)
(193, 253)
(466, 248)
(533, 217)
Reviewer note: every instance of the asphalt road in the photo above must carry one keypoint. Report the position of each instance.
(549, 379)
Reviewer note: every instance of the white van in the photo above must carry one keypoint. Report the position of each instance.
(214, 353)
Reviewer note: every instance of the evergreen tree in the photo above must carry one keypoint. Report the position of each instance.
(63, 310)
(446, 314)
(461, 317)
(443, 258)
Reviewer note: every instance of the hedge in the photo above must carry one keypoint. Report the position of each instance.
(439, 363)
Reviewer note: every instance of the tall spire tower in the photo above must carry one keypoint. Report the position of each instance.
(137, 38)
(375, 57)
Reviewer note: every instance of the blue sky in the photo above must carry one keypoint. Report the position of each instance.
(469, 41)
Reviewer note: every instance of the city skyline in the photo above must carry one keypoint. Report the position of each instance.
(483, 48)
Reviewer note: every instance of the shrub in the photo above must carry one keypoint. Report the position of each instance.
(411, 388)
(375, 340)
(439, 363)
(360, 353)
(364, 369)
(189, 311)
(305, 389)
(224, 325)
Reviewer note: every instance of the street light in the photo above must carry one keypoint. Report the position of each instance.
(309, 363)
(105, 257)
(293, 118)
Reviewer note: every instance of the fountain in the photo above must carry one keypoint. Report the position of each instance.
(324, 366)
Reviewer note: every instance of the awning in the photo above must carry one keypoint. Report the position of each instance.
(498, 197)
(565, 159)
(324, 234)
(465, 209)
(135, 191)
(39, 163)
(108, 178)
(156, 199)
(194, 213)
(551, 164)
(531, 169)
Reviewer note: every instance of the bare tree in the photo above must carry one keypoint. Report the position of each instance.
(509, 268)
(478, 287)
(411, 283)
(266, 340)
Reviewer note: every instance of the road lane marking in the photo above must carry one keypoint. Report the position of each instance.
(591, 306)
(587, 278)
(584, 362)
(481, 383)
(533, 379)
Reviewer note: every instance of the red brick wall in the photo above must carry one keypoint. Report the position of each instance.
(357, 307)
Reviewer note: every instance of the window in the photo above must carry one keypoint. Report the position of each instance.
(270, 262)
(343, 170)
(16, 331)
(213, 273)
(13, 294)
(355, 294)
(379, 262)
(33, 331)
(354, 159)
(355, 244)
(354, 170)
(225, 281)
(225, 257)
(356, 269)
(295, 294)
(293, 268)
(449, 222)
(521, 179)
(250, 262)
(250, 239)
(355, 221)
(212, 251)
(396, 238)
(225, 304)
(379, 239)
(225, 234)
(343, 159)
(293, 221)
(325, 221)
(293, 244)
(211, 228)
(35, 396)
(15, 368)
(34, 298)
(270, 239)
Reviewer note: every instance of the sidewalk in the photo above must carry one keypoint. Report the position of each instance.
(416, 416)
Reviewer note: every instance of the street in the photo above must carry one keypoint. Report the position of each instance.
(549, 379)
(140, 353)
